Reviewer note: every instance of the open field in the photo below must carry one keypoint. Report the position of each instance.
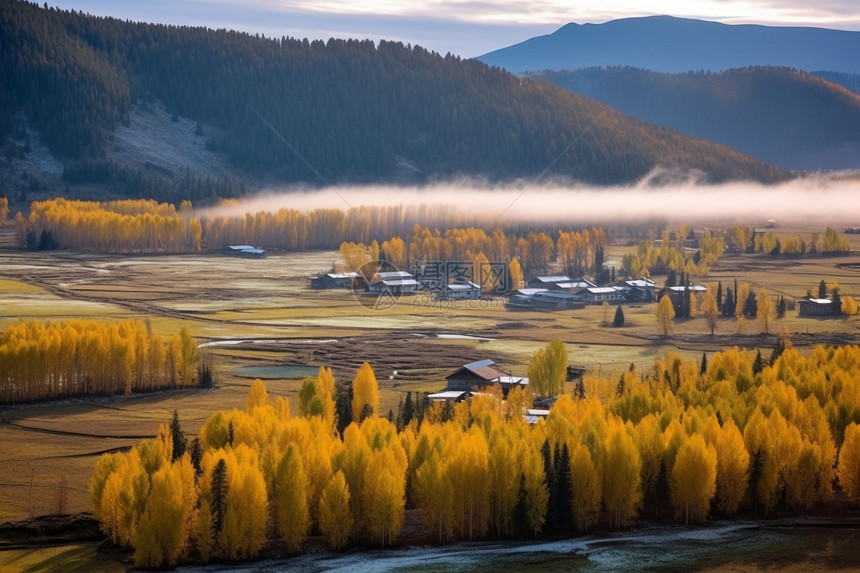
(262, 313)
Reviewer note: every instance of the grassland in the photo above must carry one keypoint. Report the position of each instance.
(262, 312)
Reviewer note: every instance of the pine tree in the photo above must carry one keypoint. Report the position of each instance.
(180, 443)
(618, 321)
(219, 495)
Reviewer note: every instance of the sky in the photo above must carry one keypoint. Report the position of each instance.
(467, 28)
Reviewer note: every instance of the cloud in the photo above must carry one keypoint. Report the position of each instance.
(821, 200)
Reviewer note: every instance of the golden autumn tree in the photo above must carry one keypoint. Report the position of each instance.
(693, 480)
(291, 500)
(586, 482)
(622, 481)
(765, 309)
(848, 469)
(709, 308)
(365, 394)
(732, 467)
(163, 528)
(516, 273)
(334, 517)
(665, 315)
(548, 369)
(849, 306)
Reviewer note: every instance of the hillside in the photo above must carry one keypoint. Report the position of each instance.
(286, 110)
(676, 45)
(781, 116)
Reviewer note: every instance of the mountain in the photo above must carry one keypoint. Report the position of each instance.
(286, 110)
(676, 45)
(779, 115)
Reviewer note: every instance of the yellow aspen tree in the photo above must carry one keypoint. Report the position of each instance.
(622, 481)
(741, 299)
(765, 309)
(257, 396)
(162, 530)
(483, 273)
(365, 394)
(4, 211)
(694, 305)
(516, 273)
(385, 496)
(693, 479)
(291, 500)
(709, 308)
(732, 467)
(504, 479)
(536, 494)
(548, 369)
(196, 234)
(849, 306)
(334, 517)
(353, 460)
(665, 315)
(586, 481)
(848, 470)
(243, 534)
(470, 467)
(434, 494)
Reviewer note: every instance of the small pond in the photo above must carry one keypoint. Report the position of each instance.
(277, 372)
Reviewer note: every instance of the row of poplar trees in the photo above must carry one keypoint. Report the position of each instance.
(45, 360)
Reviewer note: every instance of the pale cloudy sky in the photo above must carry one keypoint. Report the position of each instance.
(465, 27)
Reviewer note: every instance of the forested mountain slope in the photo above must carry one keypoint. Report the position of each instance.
(779, 115)
(297, 111)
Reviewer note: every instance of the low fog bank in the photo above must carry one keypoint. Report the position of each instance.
(831, 199)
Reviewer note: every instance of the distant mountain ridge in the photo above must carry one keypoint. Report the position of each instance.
(677, 45)
(779, 115)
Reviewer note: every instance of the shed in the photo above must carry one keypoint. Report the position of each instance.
(817, 307)
(334, 280)
(461, 290)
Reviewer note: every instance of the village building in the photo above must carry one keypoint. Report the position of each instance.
(394, 282)
(597, 295)
(460, 290)
(544, 299)
(244, 251)
(640, 289)
(335, 280)
(547, 281)
(481, 374)
(817, 307)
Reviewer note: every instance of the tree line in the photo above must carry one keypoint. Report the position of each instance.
(737, 433)
(46, 360)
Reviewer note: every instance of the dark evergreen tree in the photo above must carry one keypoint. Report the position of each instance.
(230, 433)
(822, 289)
(196, 452)
(729, 306)
(579, 389)
(837, 302)
(704, 366)
(551, 524)
(408, 409)
(758, 363)
(179, 441)
(720, 296)
(564, 491)
(780, 307)
(620, 388)
(220, 488)
(521, 510)
(751, 305)
(343, 406)
(671, 278)
(618, 321)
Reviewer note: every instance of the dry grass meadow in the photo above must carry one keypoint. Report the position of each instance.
(263, 313)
